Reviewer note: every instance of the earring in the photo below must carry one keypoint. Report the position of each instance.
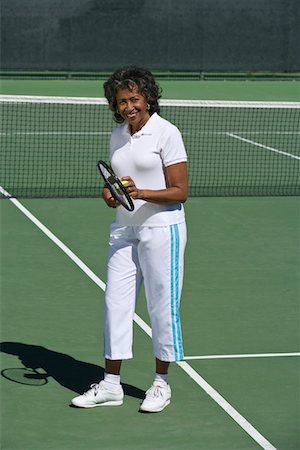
(148, 106)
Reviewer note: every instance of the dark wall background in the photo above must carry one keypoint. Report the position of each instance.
(196, 35)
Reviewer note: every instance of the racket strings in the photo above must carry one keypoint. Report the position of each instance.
(115, 186)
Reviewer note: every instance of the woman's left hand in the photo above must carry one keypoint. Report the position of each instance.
(131, 188)
(176, 190)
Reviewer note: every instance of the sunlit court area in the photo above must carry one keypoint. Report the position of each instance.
(229, 76)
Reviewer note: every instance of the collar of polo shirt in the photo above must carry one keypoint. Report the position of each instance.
(147, 129)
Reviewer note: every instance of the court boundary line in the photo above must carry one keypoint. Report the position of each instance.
(242, 356)
(55, 133)
(233, 134)
(266, 147)
(229, 409)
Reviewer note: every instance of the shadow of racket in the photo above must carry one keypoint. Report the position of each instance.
(40, 363)
(25, 375)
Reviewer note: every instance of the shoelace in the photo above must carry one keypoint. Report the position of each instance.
(94, 388)
(155, 391)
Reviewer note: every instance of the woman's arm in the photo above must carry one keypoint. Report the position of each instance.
(175, 192)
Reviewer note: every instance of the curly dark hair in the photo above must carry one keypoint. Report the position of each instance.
(130, 77)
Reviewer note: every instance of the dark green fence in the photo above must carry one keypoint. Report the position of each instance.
(170, 35)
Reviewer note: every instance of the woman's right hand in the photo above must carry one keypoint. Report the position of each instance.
(109, 199)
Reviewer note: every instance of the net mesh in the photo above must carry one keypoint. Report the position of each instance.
(50, 146)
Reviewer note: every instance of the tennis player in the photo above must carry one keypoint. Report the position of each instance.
(147, 244)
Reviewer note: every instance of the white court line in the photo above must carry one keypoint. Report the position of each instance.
(226, 406)
(265, 132)
(54, 239)
(54, 133)
(235, 136)
(233, 413)
(249, 355)
(220, 133)
(96, 133)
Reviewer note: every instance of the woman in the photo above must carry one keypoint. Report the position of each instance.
(146, 244)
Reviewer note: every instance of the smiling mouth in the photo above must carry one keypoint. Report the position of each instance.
(132, 115)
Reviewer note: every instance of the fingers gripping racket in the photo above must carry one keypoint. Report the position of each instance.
(114, 184)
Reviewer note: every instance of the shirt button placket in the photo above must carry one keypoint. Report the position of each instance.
(132, 139)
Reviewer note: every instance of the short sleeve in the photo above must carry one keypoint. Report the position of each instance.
(172, 147)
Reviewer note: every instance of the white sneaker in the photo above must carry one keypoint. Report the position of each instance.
(99, 395)
(157, 398)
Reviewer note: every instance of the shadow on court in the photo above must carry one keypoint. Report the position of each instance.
(67, 371)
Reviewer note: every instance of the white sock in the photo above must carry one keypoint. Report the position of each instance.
(161, 379)
(112, 382)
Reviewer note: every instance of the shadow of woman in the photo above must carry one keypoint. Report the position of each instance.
(67, 371)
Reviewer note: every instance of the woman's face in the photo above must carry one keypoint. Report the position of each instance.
(132, 106)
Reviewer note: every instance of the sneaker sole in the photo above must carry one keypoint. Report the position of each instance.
(111, 403)
(155, 410)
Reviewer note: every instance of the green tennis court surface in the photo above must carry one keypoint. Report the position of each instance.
(240, 319)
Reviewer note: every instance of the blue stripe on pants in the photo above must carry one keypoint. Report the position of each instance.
(176, 328)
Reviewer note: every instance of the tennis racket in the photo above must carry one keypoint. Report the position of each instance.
(114, 184)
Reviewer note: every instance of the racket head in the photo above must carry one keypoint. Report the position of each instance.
(114, 184)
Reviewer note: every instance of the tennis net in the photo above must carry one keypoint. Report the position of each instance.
(50, 146)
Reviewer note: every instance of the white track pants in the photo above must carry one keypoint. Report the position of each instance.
(154, 255)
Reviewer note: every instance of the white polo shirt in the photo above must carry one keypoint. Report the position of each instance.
(143, 157)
